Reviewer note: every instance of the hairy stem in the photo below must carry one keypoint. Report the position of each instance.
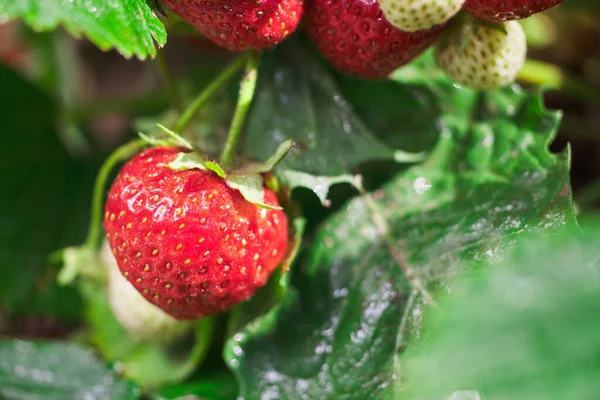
(217, 84)
(122, 153)
(247, 87)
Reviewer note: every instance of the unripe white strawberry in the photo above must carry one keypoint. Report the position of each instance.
(418, 15)
(142, 320)
(481, 55)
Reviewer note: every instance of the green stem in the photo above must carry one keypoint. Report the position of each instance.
(543, 74)
(247, 87)
(122, 153)
(168, 81)
(216, 85)
(204, 333)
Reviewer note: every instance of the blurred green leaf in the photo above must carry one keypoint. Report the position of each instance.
(422, 71)
(129, 26)
(210, 387)
(44, 205)
(580, 5)
(523, 328)
(57, 371)
(149, 365)
(359, 289)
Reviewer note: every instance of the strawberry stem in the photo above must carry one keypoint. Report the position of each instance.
(247, 87)
(167, 77)
(121, 154)
(217, 84)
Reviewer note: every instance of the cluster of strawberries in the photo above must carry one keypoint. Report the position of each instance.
(372, 38)
(187, 240)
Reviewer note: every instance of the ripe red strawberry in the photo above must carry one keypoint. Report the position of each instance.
(241, 24)
(507, 10)
(188, 242)
(355, 37)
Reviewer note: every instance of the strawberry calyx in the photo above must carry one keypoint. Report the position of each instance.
(78, 261)
(171, 140)
(248, 178)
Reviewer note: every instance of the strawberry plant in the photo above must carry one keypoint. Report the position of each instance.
(288, 199)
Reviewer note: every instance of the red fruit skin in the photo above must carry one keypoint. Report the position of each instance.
(188, 242)
(496, 11)
(355, 37)
(241, 24)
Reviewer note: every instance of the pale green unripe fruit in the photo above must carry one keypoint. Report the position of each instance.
(418, 15)
(142, 320)
(483, 56)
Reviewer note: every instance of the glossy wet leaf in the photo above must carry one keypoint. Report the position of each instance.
(57, 371)
(340, 123)
(359, 289)
(521, 329)
(298, 99)
(44, 206)
(129, 26)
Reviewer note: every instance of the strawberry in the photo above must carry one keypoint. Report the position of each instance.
(507, 10)
(416, 15)
(483, 56)
(188, 242)
(142, 320)
(241, 24)
(354, 37)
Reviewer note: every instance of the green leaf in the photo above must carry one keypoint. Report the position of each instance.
(360, 286)
(57, 371)
(523, 328)
(210, 387)
(44, 206)
(422, 71)
(296, 98)
(129, 26)
(149, 365)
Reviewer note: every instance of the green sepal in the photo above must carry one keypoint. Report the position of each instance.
(171, 140)
(76, 262)
(185, 161)
(216, 168)
(272, 161)
(249, 184)
(248, 180)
